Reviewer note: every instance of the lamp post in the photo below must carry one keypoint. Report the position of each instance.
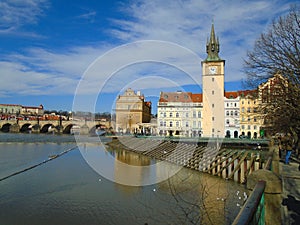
(218, 139)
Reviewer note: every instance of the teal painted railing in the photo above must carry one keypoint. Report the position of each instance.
(253, 211)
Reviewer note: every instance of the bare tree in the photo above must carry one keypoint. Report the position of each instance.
(277, 51)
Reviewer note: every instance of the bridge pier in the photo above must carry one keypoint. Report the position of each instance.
(84, 130)
(35, 129)
(14, 128)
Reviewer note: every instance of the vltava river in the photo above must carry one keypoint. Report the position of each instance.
(66, 190)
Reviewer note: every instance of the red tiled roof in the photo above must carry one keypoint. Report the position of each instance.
(11, 105)
(180, 97)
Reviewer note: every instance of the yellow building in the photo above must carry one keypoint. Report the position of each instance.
(131, 111)
(250, 118)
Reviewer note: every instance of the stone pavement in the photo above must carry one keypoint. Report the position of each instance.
(290, 175)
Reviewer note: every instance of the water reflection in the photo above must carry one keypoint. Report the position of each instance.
(67, 191)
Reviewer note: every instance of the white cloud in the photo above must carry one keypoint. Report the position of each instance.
(187, 23)
(237, 23)
(16, 13)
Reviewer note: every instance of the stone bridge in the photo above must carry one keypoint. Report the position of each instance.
(52, 126)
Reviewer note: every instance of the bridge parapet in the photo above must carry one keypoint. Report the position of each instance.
(48, 126)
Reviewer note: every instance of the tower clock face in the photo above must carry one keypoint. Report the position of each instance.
(212, 69)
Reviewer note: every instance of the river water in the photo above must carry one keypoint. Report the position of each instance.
(66, 190)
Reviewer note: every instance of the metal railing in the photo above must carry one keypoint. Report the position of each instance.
(253, 211)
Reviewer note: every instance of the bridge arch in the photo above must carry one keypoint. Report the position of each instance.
(68, 128)
(47, 128)
(92, 131)
(26, 128)
(6, 127)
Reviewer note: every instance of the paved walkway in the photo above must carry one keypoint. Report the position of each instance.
(290, 176)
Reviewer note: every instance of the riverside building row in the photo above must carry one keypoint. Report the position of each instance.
(7, 110)
(213, 113)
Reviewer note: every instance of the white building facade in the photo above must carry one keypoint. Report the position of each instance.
(179, 114)
(232, 114)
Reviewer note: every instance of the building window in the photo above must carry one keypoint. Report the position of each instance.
(227, 113)
(186, 114)
(243, 109)
(177, 114)
(186, 124)
(171, 114)
(248, 109)
(227, 121)
(254, 119)
(165, 124)
(177, 123)
(249, 119)
(199, 114)
(231, 113)
(165, 114)
(249, 127)
(194, 114)
(243, 127)
(255, 127)
(161, 123)
(236, 113)
(227, 104)
(234, 104)
(171, 124)
(213, 130)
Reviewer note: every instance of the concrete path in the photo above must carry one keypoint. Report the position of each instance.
(290, 176)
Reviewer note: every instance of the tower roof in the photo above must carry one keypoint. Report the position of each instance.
(213, 46)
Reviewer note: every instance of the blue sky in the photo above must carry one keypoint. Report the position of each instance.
(54, 52)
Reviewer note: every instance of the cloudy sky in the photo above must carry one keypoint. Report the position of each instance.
(55, 52)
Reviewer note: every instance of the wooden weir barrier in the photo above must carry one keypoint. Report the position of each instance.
(227, 163)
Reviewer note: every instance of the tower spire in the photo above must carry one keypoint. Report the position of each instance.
(213, 46)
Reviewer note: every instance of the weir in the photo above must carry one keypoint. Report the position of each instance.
(226, 162)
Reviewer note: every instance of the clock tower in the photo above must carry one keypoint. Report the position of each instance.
(213, 124)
